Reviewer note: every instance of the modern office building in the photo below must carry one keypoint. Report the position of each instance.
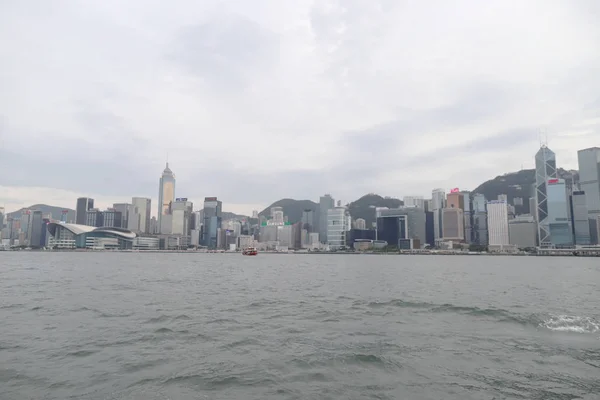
(308, 221)
(453, 223)
(130, 217)
(336, 228)
(581, 221)
(326, 203)
(558, 214)
(438, 202)
(414, 201)
(166, 194)
(144, 208)
(455, 199)
(589, 181)
(211, 221)
(277, 216)
(497, 222)
(182, 217)
(392, 227)
(545, 170)
(36, 229)
(84, 204)
(468, 216)
(109, 218)
(522, 232)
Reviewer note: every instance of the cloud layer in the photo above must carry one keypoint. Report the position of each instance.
(254, 101)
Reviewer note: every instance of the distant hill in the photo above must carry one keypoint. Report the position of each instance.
(56, 212)
(365, 207)
(292, 208)
(519, 184)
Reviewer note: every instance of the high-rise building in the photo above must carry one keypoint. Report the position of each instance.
(558, 221)
(545, 169)
(181, 217)
(336, 227)
(522, 232)
(479, 220)
(84, 204)
(497, 222)
(144, 207)
(36, 226)
(277, 217)
(453, 224)
(468, 216)
(130, 216)
(414, 201)
(438, 202)
(581, 224)
(166, 194)
(308, 220)
(211, 221)
(326, 203)
(455, 199)
(589, 181)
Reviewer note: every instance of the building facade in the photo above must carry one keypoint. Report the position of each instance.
(545, 169)
(166, 194)
(211, 215)
(84, 204)
(522, 232)
(589, 181)
(144, 207)
(497, 222)
(336, 228)
(326, 203)
(558, 214)
(453, 224)
(414, 201)
(581, 221)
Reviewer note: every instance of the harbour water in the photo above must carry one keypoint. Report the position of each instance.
(223, 326)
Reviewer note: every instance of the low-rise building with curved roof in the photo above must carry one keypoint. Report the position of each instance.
(76, 236)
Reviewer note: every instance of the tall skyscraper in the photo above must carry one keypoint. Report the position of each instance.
(497, 222)
(211, 222)
(559, 222)
(144, 206)
(130, 216)
(182, 217)
(166, 194)
(36, 224)
(589, 181)
(326, 203)
(336, 227)
(438, 202)
(581, 224)
(453, 221)
(308, 220)
(479, 220)
(84, 204)
(545, 169)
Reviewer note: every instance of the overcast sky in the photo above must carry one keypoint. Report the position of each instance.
(258, 100)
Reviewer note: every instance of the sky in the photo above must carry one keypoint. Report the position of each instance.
(253, 101)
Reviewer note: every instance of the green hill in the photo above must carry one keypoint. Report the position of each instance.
(365, 206)
(292, 208)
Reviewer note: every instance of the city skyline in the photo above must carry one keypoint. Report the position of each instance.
(327, 100)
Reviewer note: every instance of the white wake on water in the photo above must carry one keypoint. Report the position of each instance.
(570, 323)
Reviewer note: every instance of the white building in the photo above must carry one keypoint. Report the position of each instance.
(336, 228)
(497, 219)
(414, 201)
(284, 235)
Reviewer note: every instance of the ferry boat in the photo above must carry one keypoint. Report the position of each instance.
(250, 251)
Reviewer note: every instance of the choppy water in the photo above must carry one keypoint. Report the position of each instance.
(215, 326)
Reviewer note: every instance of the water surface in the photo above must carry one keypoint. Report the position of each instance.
(222, 326)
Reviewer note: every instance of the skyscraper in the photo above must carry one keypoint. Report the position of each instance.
(453, 222)
(166, 193)
(336, 227)
(144, 206)
(36, 225)
(326, 203)
(211, 222)
(559, 223)
(497, 222)
(84, 204)
(581, 225)
(545, 169)
(589, 181)
(308, 220)
(438, 202)
(479, 220)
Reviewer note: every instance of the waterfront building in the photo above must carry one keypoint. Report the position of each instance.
(37, 227)
(580, 217)
(558, 214)
(497, 222)
(326, 203)
(453, 224)
(589, 181)
(181, 217)
(336, 228)
(522, 232)
(71, 236)
(211, 214)
(166, 194)
(545, 170)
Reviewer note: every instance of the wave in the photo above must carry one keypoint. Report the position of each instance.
(571, 323)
